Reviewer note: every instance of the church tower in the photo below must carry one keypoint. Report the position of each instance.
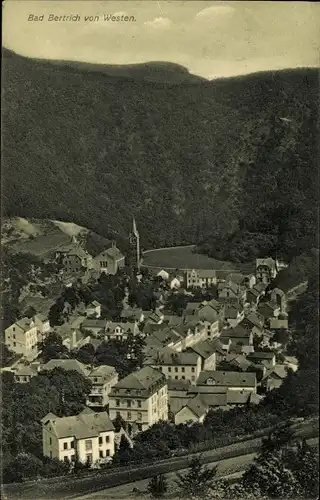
(135, 245)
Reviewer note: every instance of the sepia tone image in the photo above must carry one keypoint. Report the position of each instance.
(160, 250)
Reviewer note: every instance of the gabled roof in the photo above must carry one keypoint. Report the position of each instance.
(94, 323)
(94, 303)
(191, 307)
(238, 360)
(142, 379)
(82, 426)
(66, 364)
(236, 278)
(254, 292)
(236, 332)
(104, 371)
(254, 319)
(24, 323)
(228, 285)
(205, 348)
(260, 287)
(41, 317)
(261, 355)
(185, 358)
(127, 327)
(178, 385)
(112, 252)
(269, 262)
(197, 406)
(232, 311)
(206, 273)
(242, 397)
(218, 346)
(231, 379)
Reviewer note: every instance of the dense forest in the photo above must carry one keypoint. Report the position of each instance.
(213, 162)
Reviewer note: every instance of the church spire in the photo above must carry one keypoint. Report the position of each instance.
(135, 242)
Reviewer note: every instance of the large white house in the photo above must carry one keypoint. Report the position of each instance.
(87, 437)
(103, 378)
(141, 399)
(22, 338)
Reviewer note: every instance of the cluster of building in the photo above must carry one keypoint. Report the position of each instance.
(202, 360)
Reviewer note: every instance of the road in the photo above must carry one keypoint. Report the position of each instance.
(229, 457)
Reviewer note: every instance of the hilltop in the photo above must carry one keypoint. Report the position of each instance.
(193, 162)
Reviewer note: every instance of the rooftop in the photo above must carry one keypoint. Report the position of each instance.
(143, 379)
(205, 348)
(66, 364)
(82, 426)
(232, 379)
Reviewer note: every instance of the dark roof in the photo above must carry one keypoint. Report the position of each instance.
(236, 379)
(197, 406)
(236, 332)
(205, 348)
(178, 385)
(261, 355)
(94, 323)
(231, 311)
(85, 425)
(142, 379)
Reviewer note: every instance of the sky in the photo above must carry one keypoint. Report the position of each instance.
(211, 38)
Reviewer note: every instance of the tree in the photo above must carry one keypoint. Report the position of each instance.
(198, 480)
(305, 466)
(86, 354)
(124, 453)
(157, 486)
(52, 347)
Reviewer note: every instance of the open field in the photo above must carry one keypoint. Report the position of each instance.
(184, 258)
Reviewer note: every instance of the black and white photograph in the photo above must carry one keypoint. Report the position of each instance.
(160, 250)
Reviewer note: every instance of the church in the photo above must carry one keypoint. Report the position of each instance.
(109, 261)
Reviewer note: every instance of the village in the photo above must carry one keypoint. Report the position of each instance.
(210, 340)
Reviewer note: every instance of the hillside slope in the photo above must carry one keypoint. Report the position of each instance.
(188, 160)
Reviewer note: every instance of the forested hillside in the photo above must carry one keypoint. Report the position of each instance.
(200, 161)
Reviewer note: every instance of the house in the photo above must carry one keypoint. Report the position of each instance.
(22, 338)
(194, 410)
(93, 309)
(74, 258)
(268, 359)
(236, 278)
(185, 365)
(230, 291)
(261, 287)
(191, 333)
(266, 270)
(235, 361)
(109, 261)
(220, 381)
(165, 337)
(141, 399)
(249, 281)
(281, 322)
(234, 313)
(253, 322)
(42, 323)
(268, 310)
(253, 296)
(87, 437)
(211, 310)
(178, 395)
(120, 331)
(66, 364)
(200, 278)
(207, 351)
(274, 377)
(241, 398)
(24, 373)
(95, 326)
(102, 378)
(277, 296)
(163, 275)
(154, 317)
(238, 335)
(175, 282)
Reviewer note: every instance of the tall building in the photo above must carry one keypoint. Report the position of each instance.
(141, 399)
(135, 245)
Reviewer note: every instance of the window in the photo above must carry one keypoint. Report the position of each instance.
(169, 369)
(107, 453)
(117, 402)
(14, 344)
(14, 329)
(139, 415)
(192, 369)
(13, 336)
(73, 458)
(88, 444)
(89, 457)
(182, 369)
(139, 427)
(183, 377)
(128, 403)
(72, 444)
(139, 404)
(101, 454)
(65, 459)
(100, 440)
(107, 439)
(193, 378)
(176, 377)
(176, 369)
(65, 446)
(129, 415)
